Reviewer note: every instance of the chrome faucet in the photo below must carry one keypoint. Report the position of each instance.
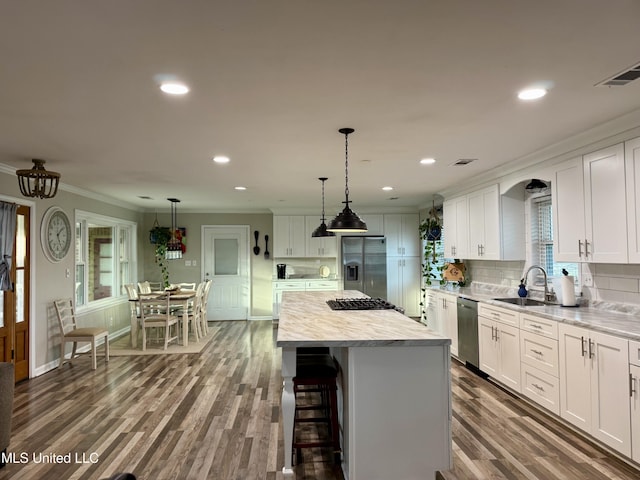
(547, 295)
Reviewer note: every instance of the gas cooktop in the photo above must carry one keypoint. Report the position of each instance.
(360, 304)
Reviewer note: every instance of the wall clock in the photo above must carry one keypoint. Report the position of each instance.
(56, 234)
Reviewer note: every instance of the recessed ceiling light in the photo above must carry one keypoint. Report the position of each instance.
(174, 88)
(532, 93)
(428, 161)
(221, 159)
(387, 188)
(240, 188)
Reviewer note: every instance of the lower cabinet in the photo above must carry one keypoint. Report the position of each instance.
(298, 285)
(449, 315)
(499, 347)
(594, 385)
(634, 386)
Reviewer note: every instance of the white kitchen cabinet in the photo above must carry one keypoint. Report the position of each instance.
(632, 169)
(589, 205)
(319, 246)
(289, 237)
(403, 284)
(433, 319)
(499, 345)
(402, 233)
(456, 228)
(496, 224)
(449, 315)
(594, 385)
(298, 285)
(634, 386)
(374, 221)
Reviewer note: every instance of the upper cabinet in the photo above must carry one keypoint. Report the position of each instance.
(402, 233)
(289, 236)
(456, 223)
(632, 168)
(375, 224)
(319, 246)
(489, 226)
(589, 206)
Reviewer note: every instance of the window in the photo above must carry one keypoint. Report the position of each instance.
(105, 257)
(542, 239)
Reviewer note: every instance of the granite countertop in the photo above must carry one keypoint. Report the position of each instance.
(307, 320)
(615, 319)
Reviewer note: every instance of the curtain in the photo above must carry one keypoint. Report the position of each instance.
(7, 237)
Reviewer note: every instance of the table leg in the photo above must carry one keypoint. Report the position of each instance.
(134, 330)
(185, 323)
(288, 405)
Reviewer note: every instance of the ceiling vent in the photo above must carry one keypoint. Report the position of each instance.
(622, 78)
(465, 161)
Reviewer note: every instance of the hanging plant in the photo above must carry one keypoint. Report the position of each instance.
(433, 262)
(160, 236)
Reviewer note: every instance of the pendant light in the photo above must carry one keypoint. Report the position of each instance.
(174, 247)
(38, 182)
(322, 231)
(536, 186)
(347, 221)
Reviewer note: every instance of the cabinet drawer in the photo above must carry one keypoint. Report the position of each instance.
(542, 388)
(539, 325)
(634, 353)
(503, 315)
(321, 285)
(289, 286)
(539, 352)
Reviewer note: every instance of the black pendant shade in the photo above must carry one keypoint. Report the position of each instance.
(38, 182)
(347, 221)
(322, 231)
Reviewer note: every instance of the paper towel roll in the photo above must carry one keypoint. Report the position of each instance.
(568, 293)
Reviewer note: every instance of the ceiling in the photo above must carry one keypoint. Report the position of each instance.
(271, 82)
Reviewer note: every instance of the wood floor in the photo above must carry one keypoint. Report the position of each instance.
(215, 415)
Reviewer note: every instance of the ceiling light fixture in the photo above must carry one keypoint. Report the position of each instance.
(322, 231)
(535, 186)
(428, 161)
(174, 247)
(174, 88)
(532, 93)
(386, 189)
(38, 182)
(221, 159)
(240, 188)
(347, 221)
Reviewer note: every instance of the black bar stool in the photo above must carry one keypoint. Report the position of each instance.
(317, 372)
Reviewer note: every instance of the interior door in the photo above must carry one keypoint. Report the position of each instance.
(14, 315)
(226, 262)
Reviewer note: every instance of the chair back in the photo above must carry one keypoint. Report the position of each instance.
(144, 287)
(66, 315)
(187, 286)
(154, 310)
(131, 291)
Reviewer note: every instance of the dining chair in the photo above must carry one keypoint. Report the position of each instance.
(70, 333)
(187, 286)
(134, 306)
(144, 287)
(150, 317)
(204, 323)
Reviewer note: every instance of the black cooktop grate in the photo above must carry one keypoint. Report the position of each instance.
(360, 304)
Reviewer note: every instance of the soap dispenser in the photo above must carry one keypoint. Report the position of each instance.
(522, 290)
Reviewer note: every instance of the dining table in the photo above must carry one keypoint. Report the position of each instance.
(179, 299)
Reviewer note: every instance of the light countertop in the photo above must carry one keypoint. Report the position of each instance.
(602, 317)
(307, 320)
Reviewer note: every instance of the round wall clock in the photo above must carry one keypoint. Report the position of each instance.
(56, 234)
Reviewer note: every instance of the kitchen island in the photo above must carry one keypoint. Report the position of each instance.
(395, 385)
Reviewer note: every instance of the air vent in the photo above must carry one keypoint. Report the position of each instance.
(465, 161)
(622, 78)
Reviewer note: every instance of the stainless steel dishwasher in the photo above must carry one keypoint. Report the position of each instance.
(468, 332)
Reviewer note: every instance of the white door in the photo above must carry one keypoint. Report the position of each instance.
(226, 262)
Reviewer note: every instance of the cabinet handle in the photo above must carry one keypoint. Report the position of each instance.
(453, 249)
(586, 248)
(537, 352)
(591, 354)
(631, 382)
(534, 325)
(583, 350)
(579, 247)
(537, 386)
(478, 247)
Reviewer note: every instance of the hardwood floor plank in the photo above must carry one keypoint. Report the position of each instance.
(215, 415)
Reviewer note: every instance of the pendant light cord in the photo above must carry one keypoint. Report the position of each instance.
(346, 168)
(323, 201)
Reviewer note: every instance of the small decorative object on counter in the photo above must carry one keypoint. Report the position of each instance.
(522, 290)
(567, 287)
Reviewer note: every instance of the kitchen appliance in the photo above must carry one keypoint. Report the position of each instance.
(364, 263)
(360, 304)
(468, 332)
(281, 268)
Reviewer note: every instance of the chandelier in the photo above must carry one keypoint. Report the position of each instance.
(38, 182)
(322, 231)
(174, 246)
(347, 221)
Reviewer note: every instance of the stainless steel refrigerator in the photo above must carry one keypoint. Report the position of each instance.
(364, 264)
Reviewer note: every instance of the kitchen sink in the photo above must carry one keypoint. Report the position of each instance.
(523, 302)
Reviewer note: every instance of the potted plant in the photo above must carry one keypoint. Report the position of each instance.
(433, 256)
(160, 236)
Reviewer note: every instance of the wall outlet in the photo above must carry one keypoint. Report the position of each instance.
(187, 263)
(587, 280)
(194, 263)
